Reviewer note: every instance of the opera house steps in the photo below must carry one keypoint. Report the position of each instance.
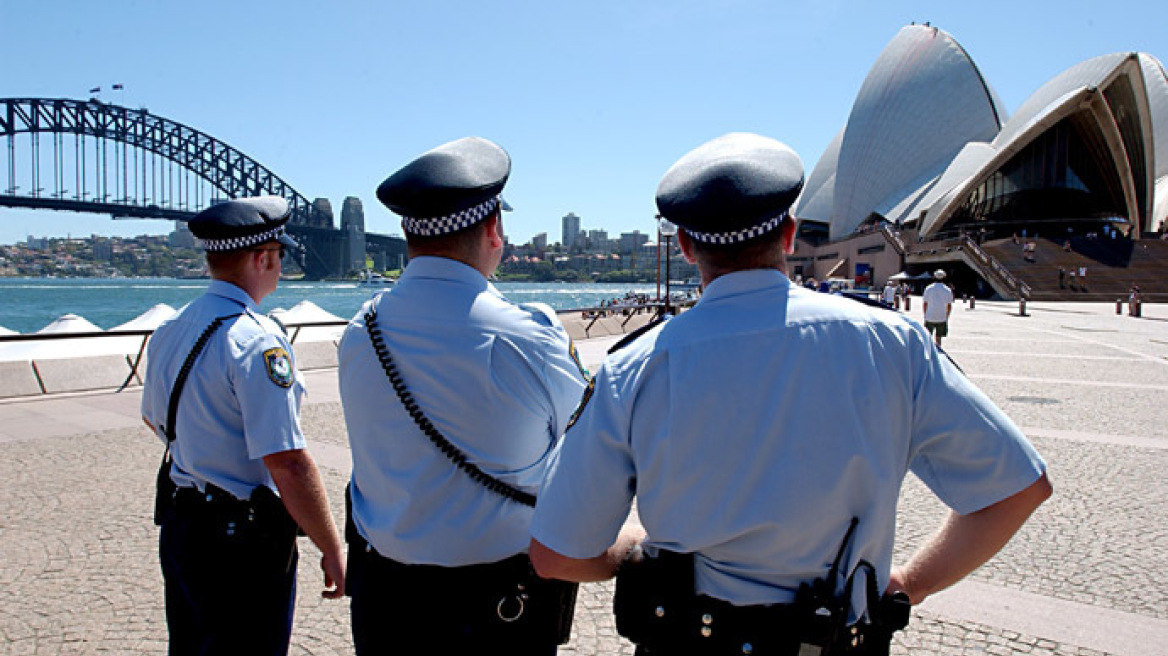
(1113, 266)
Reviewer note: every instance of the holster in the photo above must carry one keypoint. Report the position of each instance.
(164, 489)
(261, 518)
(657, 607)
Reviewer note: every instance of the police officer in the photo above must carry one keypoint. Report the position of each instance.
(766, 433)
(222, 384)
(497, 381)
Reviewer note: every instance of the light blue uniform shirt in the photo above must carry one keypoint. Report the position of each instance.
(497, 379)
(753, 427)
(241, 401)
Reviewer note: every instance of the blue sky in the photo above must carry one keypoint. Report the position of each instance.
(594, 100)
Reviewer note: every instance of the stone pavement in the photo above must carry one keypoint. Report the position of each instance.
(1087, 575)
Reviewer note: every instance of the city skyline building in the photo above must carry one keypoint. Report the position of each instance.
(570, 230)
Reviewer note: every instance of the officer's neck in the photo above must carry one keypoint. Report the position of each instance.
(709, 273)
(257, 282)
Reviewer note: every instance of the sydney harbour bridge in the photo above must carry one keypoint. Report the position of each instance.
(96, 157)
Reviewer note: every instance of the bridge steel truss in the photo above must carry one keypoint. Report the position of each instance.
(138, 178)
(131, 163)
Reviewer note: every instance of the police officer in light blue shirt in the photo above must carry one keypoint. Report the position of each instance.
(222, 390)
(498, 380)
(765, 434)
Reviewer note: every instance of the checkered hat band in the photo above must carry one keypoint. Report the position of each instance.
(446, 224)
(236, 243)
(736, 237)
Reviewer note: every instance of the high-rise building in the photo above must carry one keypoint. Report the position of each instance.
(571, 230)
(630, 242)
(181, 237)
(598, 240)
(539, 242)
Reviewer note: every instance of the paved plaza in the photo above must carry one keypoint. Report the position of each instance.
(1087, 576)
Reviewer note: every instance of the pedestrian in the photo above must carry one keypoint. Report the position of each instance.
(1133, 301)
(1062, 277)
(937, 305)
(453, 397)
(1083, 277)
(769, 507)
(888, 296)
(222, 390)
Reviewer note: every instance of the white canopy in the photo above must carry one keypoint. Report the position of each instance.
(69, 348)
(148, 320)
(69, 323)
(308, 312)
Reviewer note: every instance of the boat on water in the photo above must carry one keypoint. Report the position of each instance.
(374, 279)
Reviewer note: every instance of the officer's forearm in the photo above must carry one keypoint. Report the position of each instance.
(552, 565)
(302, 491)
(966, 542)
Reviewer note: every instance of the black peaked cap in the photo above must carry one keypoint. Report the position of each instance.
(447, 187)
(242, 223)
(732, 188)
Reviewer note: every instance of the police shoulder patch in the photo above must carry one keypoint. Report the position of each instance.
(279, 366)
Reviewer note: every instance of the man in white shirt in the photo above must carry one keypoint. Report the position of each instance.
(938, 303)
(889, 294)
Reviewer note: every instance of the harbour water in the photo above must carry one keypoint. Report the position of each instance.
(29, 304)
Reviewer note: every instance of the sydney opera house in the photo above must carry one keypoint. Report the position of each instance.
(931, 171)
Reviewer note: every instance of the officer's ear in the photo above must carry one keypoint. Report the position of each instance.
(787, 233)
(686, 244)
(494, 230)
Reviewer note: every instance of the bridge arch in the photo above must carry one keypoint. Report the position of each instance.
(137, 191)
(158, 169)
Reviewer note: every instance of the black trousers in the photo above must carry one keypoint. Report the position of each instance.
(440, 609)
(226, 593)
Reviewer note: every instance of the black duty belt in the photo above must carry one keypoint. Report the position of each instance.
(263, 512)
(437, 575)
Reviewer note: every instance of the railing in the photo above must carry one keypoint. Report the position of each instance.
(893, 238)
(989, 261)
(989, 264)
(628, 311)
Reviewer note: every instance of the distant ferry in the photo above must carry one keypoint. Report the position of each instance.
(375, 279)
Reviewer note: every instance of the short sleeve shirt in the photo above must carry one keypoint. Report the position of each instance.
(752, 428)
(241, 401)
(939, 297)
(497, 379)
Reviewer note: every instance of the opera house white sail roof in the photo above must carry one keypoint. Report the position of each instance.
(927, 132)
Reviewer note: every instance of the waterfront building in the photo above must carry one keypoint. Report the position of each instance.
(631, 242)
(180, 238)
(570, 225)
(598, 241)
(929, 153)
(929, 144)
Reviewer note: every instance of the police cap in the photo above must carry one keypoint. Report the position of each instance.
(242, 223)
(449, 188)
(731, 189)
